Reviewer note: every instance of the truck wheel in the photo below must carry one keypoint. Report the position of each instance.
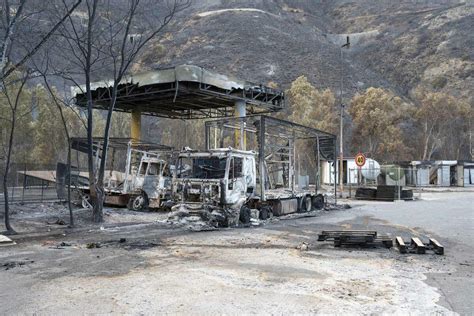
(244, 215)
(318, 202)
(138, 203)
(265, 212)
(307, 204)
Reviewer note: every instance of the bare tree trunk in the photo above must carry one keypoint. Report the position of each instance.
(100, 190)
(8, 226)
(100, 181)
(427, 137)
(66, 131)
(96, 196)
(425, 149)
(69, 203)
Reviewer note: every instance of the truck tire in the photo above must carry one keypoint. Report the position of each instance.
(265, 212)
(318, 202)
(245, 214)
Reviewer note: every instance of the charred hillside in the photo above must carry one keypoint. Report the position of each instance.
(393, 45)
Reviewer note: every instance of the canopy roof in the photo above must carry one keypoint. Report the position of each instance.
(183, 92)
(80, 144)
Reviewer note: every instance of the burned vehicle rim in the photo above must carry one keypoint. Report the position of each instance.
(139, 202)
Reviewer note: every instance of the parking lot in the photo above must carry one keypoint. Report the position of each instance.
(145, 266)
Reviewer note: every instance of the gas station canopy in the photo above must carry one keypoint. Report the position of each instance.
(183, 92)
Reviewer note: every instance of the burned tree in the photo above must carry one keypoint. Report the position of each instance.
(109, 38)
(17, 49)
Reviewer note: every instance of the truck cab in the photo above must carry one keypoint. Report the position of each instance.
(150, 184)
(221, 177)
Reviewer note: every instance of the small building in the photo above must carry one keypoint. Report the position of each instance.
(349, 167)
(467, 172)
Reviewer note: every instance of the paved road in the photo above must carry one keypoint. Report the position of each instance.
(267, 254)
(449, 217)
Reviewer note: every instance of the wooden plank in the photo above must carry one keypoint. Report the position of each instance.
(321, 237)
(332, 234)
(418, 245)
(402, 247)
(369, 232)
(438, 248)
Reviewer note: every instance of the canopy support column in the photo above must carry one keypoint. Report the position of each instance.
(240, 111)
(136, 125)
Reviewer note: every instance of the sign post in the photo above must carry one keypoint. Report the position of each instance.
(360, 162)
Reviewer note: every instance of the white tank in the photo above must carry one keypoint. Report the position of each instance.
(371, 169)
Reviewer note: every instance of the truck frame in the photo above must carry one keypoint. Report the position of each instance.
(138, 174)
(273, 177)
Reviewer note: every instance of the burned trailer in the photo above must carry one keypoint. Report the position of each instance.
(275, 171)
(138, 174)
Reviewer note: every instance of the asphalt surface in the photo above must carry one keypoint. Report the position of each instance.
(448, 217)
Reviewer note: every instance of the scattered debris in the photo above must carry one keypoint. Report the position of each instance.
(122, 240)
(303, 246)
(5, 241)
(199, 219)
(336, 207)
(356, 238)
(417, 246)
(92, 245)
(57, 222)
(61, 245)
(13, 264)
(141, 245)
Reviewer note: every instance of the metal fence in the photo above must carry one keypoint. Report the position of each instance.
(31, 183)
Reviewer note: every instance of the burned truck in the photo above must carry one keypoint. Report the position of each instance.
(138, 174)
(277, 176)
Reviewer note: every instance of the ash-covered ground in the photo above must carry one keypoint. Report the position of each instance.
(137, 263)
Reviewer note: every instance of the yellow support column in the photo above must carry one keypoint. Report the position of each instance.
(136, 125)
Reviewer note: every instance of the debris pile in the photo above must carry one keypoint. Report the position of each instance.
(208, 217)
(202, 218)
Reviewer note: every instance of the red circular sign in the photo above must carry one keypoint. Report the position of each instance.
(360, 159)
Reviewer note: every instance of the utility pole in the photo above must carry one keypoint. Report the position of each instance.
(341, 132)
